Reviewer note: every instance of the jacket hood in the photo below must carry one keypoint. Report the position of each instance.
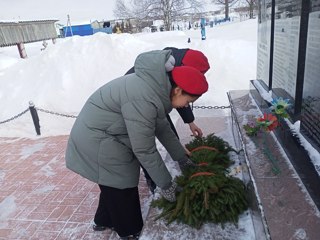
(150, 67)
(178, 54)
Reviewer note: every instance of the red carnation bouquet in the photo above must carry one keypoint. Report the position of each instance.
(265, 124)
(269, 121)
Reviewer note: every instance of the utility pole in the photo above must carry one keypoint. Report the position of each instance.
(68, 25)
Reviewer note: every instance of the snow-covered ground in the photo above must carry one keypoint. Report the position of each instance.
(62, 77)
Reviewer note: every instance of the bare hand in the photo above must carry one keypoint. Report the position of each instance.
(196, 131)
(187, 151)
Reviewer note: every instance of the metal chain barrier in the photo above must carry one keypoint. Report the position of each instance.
(55, 113)
(35, 118)
(210, 107)
(15, 117)
(33, 110)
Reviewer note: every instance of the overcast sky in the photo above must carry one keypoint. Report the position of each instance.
(79, 10)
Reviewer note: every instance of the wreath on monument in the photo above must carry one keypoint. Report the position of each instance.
(208, 193)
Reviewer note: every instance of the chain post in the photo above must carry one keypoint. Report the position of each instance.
(35, 117)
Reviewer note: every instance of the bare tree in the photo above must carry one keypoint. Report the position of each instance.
(252, 4)
(227, 4)
(131, 10)
(248, 5)
(166, 10)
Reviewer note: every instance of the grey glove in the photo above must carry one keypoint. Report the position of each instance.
(185, 163)
(169, 193)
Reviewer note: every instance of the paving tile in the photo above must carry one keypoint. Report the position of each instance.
(51, 226)
(41, 235)
(56, 213)
(37, 216)
(19, 229)
(81, 230)
(67, 213)
(51, 202)
(5, 232)
(46, 194)
(23, 215)
(90, 199)
(81, 217)
(67, 231)
(85, 209)
(98, 236)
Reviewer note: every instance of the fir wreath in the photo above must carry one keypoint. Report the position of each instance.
(207, 193)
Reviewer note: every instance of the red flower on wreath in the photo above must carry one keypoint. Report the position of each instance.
(268, 122)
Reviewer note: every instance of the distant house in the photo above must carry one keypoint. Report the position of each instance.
(21, 32)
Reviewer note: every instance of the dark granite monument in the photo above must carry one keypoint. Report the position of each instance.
(310, 111)
(286, 46)
(289, 56)
(264, 35)
(288, 65)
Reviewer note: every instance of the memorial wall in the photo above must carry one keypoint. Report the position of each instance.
(310, 112)
(264, 31)
(289, 58)
(286, 45)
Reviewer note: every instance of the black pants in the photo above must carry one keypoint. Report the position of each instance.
(120, 209)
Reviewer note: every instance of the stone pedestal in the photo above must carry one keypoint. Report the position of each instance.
(288, 209)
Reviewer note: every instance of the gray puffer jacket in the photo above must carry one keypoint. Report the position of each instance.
(118, 126)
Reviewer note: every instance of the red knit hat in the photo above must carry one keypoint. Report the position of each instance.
(196, 59)
(190, 80)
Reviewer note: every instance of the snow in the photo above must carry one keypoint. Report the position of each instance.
(266, 95)
(27, 151)
(62, 77)
(313, 153)
(7, 206)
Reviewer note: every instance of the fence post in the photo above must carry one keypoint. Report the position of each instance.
(35, 117)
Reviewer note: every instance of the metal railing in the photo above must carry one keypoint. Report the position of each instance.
(35, 117)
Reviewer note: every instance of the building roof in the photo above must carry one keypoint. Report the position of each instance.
(15, 32)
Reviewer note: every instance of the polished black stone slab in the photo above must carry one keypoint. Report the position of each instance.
(288, 208)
